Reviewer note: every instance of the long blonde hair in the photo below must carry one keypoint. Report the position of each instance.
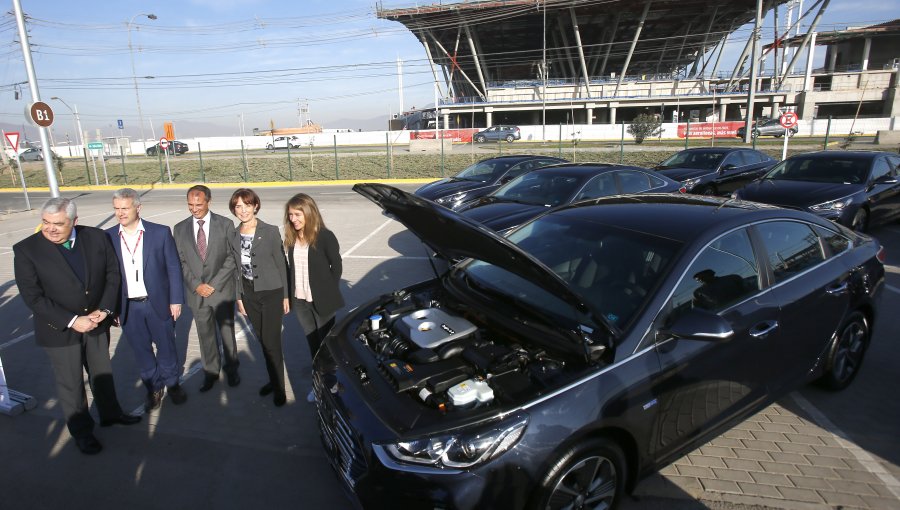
(312, 218)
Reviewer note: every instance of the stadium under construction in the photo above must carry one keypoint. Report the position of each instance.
(536, 62)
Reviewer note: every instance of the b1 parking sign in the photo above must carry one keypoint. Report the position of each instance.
(121, 124)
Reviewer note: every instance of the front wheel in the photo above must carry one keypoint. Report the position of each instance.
(590, 474)
(270, 147)
(846, 354)
(510, 138)
(480, 139)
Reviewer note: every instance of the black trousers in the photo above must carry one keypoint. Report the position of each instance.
(92, 355)
(265, 309)
(314, 326)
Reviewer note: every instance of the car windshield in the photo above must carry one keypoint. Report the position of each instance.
(837, 170)
(701, 160)
(485, 171)
(540, 188)
(613, 270)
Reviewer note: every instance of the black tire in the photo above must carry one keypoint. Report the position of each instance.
(270, 147)
(590, 474)
(860, 221)
(479, 139)
(510, 138)
(846, 354)
(151, 151)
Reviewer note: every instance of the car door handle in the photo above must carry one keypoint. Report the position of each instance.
(838, 288)
(763, 329)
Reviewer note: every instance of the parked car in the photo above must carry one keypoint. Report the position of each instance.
(175, 148)
(857, 189)
(770, 127)
(586, 350)
(494, 133)
(31, 154)
(482, 178)
(282, 142)
(530, 194)
(715, 171)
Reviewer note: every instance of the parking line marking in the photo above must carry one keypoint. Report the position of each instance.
(868, 462)
(16, 340)
(891, 287)
(365, 239)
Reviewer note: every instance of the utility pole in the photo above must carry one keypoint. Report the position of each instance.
(35, 97)
(754, 64)
(400, 80)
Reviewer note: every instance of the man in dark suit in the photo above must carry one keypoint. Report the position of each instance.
(151, 297)
(69, 277)
(209, 268)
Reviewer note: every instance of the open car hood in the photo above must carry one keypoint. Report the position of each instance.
(454, 236)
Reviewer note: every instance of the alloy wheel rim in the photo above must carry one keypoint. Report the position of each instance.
(589, 484)
(849, 351)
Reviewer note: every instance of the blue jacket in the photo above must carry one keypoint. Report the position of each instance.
(162, 269)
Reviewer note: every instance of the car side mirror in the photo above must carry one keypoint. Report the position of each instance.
(728, 166)
(699, 324)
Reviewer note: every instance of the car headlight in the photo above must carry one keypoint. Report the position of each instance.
(461, 450)
(458, 197)
(690, 183)
(832, 206)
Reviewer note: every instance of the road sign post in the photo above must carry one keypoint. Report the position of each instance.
(13, 138)
(164, 145)
(788, 121)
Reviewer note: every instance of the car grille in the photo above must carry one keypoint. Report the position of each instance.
(344, 451)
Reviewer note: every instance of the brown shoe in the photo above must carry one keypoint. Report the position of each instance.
(154, 400)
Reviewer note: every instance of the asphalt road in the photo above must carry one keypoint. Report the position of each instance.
(231, 449)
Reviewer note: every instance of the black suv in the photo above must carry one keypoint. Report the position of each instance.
(175, 148)
(715, 171)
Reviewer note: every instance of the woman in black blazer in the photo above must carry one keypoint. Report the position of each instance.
(314, 264)
(262, 290)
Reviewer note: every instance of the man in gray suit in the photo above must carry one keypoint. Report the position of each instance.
(208, 264)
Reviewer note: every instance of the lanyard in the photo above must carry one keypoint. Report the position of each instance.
(132, 253)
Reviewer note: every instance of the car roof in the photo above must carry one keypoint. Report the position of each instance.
(672, 216)
(522, 157)
(842, 154)
(580, 169)
(716, 150)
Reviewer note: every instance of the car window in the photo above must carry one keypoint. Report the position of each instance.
(735, 158)
(791, 247)
(656, 182)
(484, 171)
(724, 273)
(633, 182)
(521, 168)
(836, 169)
(834, 242)
(880, 168)
(602, 185)
(895, 163)
(703, 160)
(751, 157)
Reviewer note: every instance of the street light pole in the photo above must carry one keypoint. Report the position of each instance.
(77, 121)
(137, 95)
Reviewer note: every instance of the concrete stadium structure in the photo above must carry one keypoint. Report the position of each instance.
(540, 62)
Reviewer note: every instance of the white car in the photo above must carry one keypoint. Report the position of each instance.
(282, 142)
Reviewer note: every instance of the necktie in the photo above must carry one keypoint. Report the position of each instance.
(201, 240)
(68, 244)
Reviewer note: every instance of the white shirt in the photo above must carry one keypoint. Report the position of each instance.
(205, 228)
(132, 246)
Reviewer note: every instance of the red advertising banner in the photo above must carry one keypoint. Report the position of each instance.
(705, 129)
(457, 135)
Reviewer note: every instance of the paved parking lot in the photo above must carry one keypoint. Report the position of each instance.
(230, 448)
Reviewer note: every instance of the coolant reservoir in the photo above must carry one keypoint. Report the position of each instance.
(469, 391)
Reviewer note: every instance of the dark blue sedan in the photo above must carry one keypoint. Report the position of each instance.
(531, 194)
(715, 170)
(858, 189)
(482, 178)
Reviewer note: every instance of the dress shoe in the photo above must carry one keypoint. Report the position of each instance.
(280, 398)
(88, 444)
(234, 378)
(266, 389)
(208, 382)
(122, 419)
(154, 400)
(177, 394)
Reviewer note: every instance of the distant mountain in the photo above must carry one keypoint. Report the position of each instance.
(372, 124)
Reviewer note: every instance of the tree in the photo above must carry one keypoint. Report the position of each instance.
(644, 126)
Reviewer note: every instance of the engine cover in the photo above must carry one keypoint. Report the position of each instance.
(431, 327)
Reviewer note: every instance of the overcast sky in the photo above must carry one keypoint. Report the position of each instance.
(213, 60)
